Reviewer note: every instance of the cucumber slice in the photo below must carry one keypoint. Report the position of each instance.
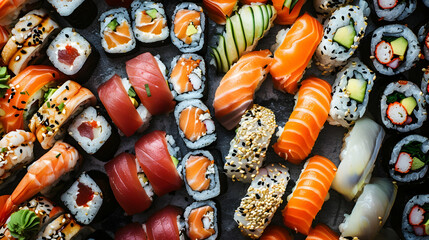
(265, 16)
(240, 40)
(259, 21)
(270, 12)
(216, 56)
(248, 20)
(221, 49)
(231, 48)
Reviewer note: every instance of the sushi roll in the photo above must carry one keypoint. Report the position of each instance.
(79, 14)
(371, 210)
(408, 161)
(61, 104)
(129, 183)
(328, 6)
(64, 227)
(248, 148)
(187, 31)
(237, 88)
(262, 199)
(94, 134)
(94, 198)
(242, 33)
(195, 124)
(29, 37)
(414, 218)
(115, 31)
(423, 37)
(425, 85)
(350, 94)
(342, 34)
(393, 10)
(25, 95)
(201, 175)
(201, 220)
(309, 194)
(123, 106)
(158, 156)
(187, 77)
(149, 21)
(394, 49)
(402, 106)
(16, 151)
(358, 154)
(72, 54)
(167, 223)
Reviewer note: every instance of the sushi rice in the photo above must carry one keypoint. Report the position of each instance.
(408, 230)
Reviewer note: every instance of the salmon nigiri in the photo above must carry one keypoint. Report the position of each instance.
(322, 232)
(237, 89)
(218, 10)
(287, 11)
(306, 121)
(294, 53)
(274, 232)
(43, 173)
(309, 194)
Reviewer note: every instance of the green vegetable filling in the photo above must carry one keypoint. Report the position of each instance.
(414, 148)
(395, 97)
(113, 24)
(23, 224)
(49, 93)
(345, 35)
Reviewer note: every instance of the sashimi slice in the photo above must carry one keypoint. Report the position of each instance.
(163, 225)
(150, 84)
(237, 88)
(132, 231)
(218, 10)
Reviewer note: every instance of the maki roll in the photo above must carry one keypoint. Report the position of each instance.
(262, 199)
(94, 134)
(394, 49)
(16, 151)
(187, 32)
(423, 37)
(408, 161)
(248, 148)
(201, 220)
(360, 149)
(61, 105)
(149, 21)
(187, 77)
(79, 13)
(328, 6)
(29, 37)
(195, 124)
(415, 219)
(425, 85)
(201, 175)
(115, 31)
(94, 198)
(350, 94)
(402, 106)
(342, 34)
(64, 227)
(72, 54)
(167, 223)
(394, 10)
(371, 210)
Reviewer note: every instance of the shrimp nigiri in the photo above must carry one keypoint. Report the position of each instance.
(62, 158)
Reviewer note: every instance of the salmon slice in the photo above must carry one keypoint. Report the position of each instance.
(154, 27)
(295, 52)
(182, 20)
(218, 10)
(306, 121)
(121, 36)
(284, 15)
(190, 123)
(196, 225)
(237, 88)
(274, 232)
(309, 195)
(180, 74)
(322, 232)
(196, 168)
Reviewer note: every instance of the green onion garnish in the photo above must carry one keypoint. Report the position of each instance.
(147, 90)
(48, 128)
(48, 104)
(3, 150)
(132, 92)
(61, 107)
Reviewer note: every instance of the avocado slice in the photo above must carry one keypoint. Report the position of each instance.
(3, 72)
(175, 161)
(356, 88)
(345, 36)
(409, 103)
(399, 46)
(191, 30)
(113, 24)
(417, 164)
(152, 13)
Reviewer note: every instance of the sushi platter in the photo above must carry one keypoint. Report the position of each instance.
(232, 119)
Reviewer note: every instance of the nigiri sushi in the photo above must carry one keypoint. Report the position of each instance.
(309, 194)
(219, 10)
(274, 232)
(322, 232)
(287, 11)
(237, 88)
(167, 223)
(307, 119)
(295, 50)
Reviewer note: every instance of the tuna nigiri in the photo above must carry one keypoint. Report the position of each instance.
(309, 194)
(322, 232)
(274, 232)
(237, 89)
(130, 231)
(218, 10)
(287, 11)
(165, 224)
(306, 121)
(294, 52)
(43, 173)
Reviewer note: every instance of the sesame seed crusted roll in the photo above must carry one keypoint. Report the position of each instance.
(248, 148)
(328, 6)
(263, 198)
